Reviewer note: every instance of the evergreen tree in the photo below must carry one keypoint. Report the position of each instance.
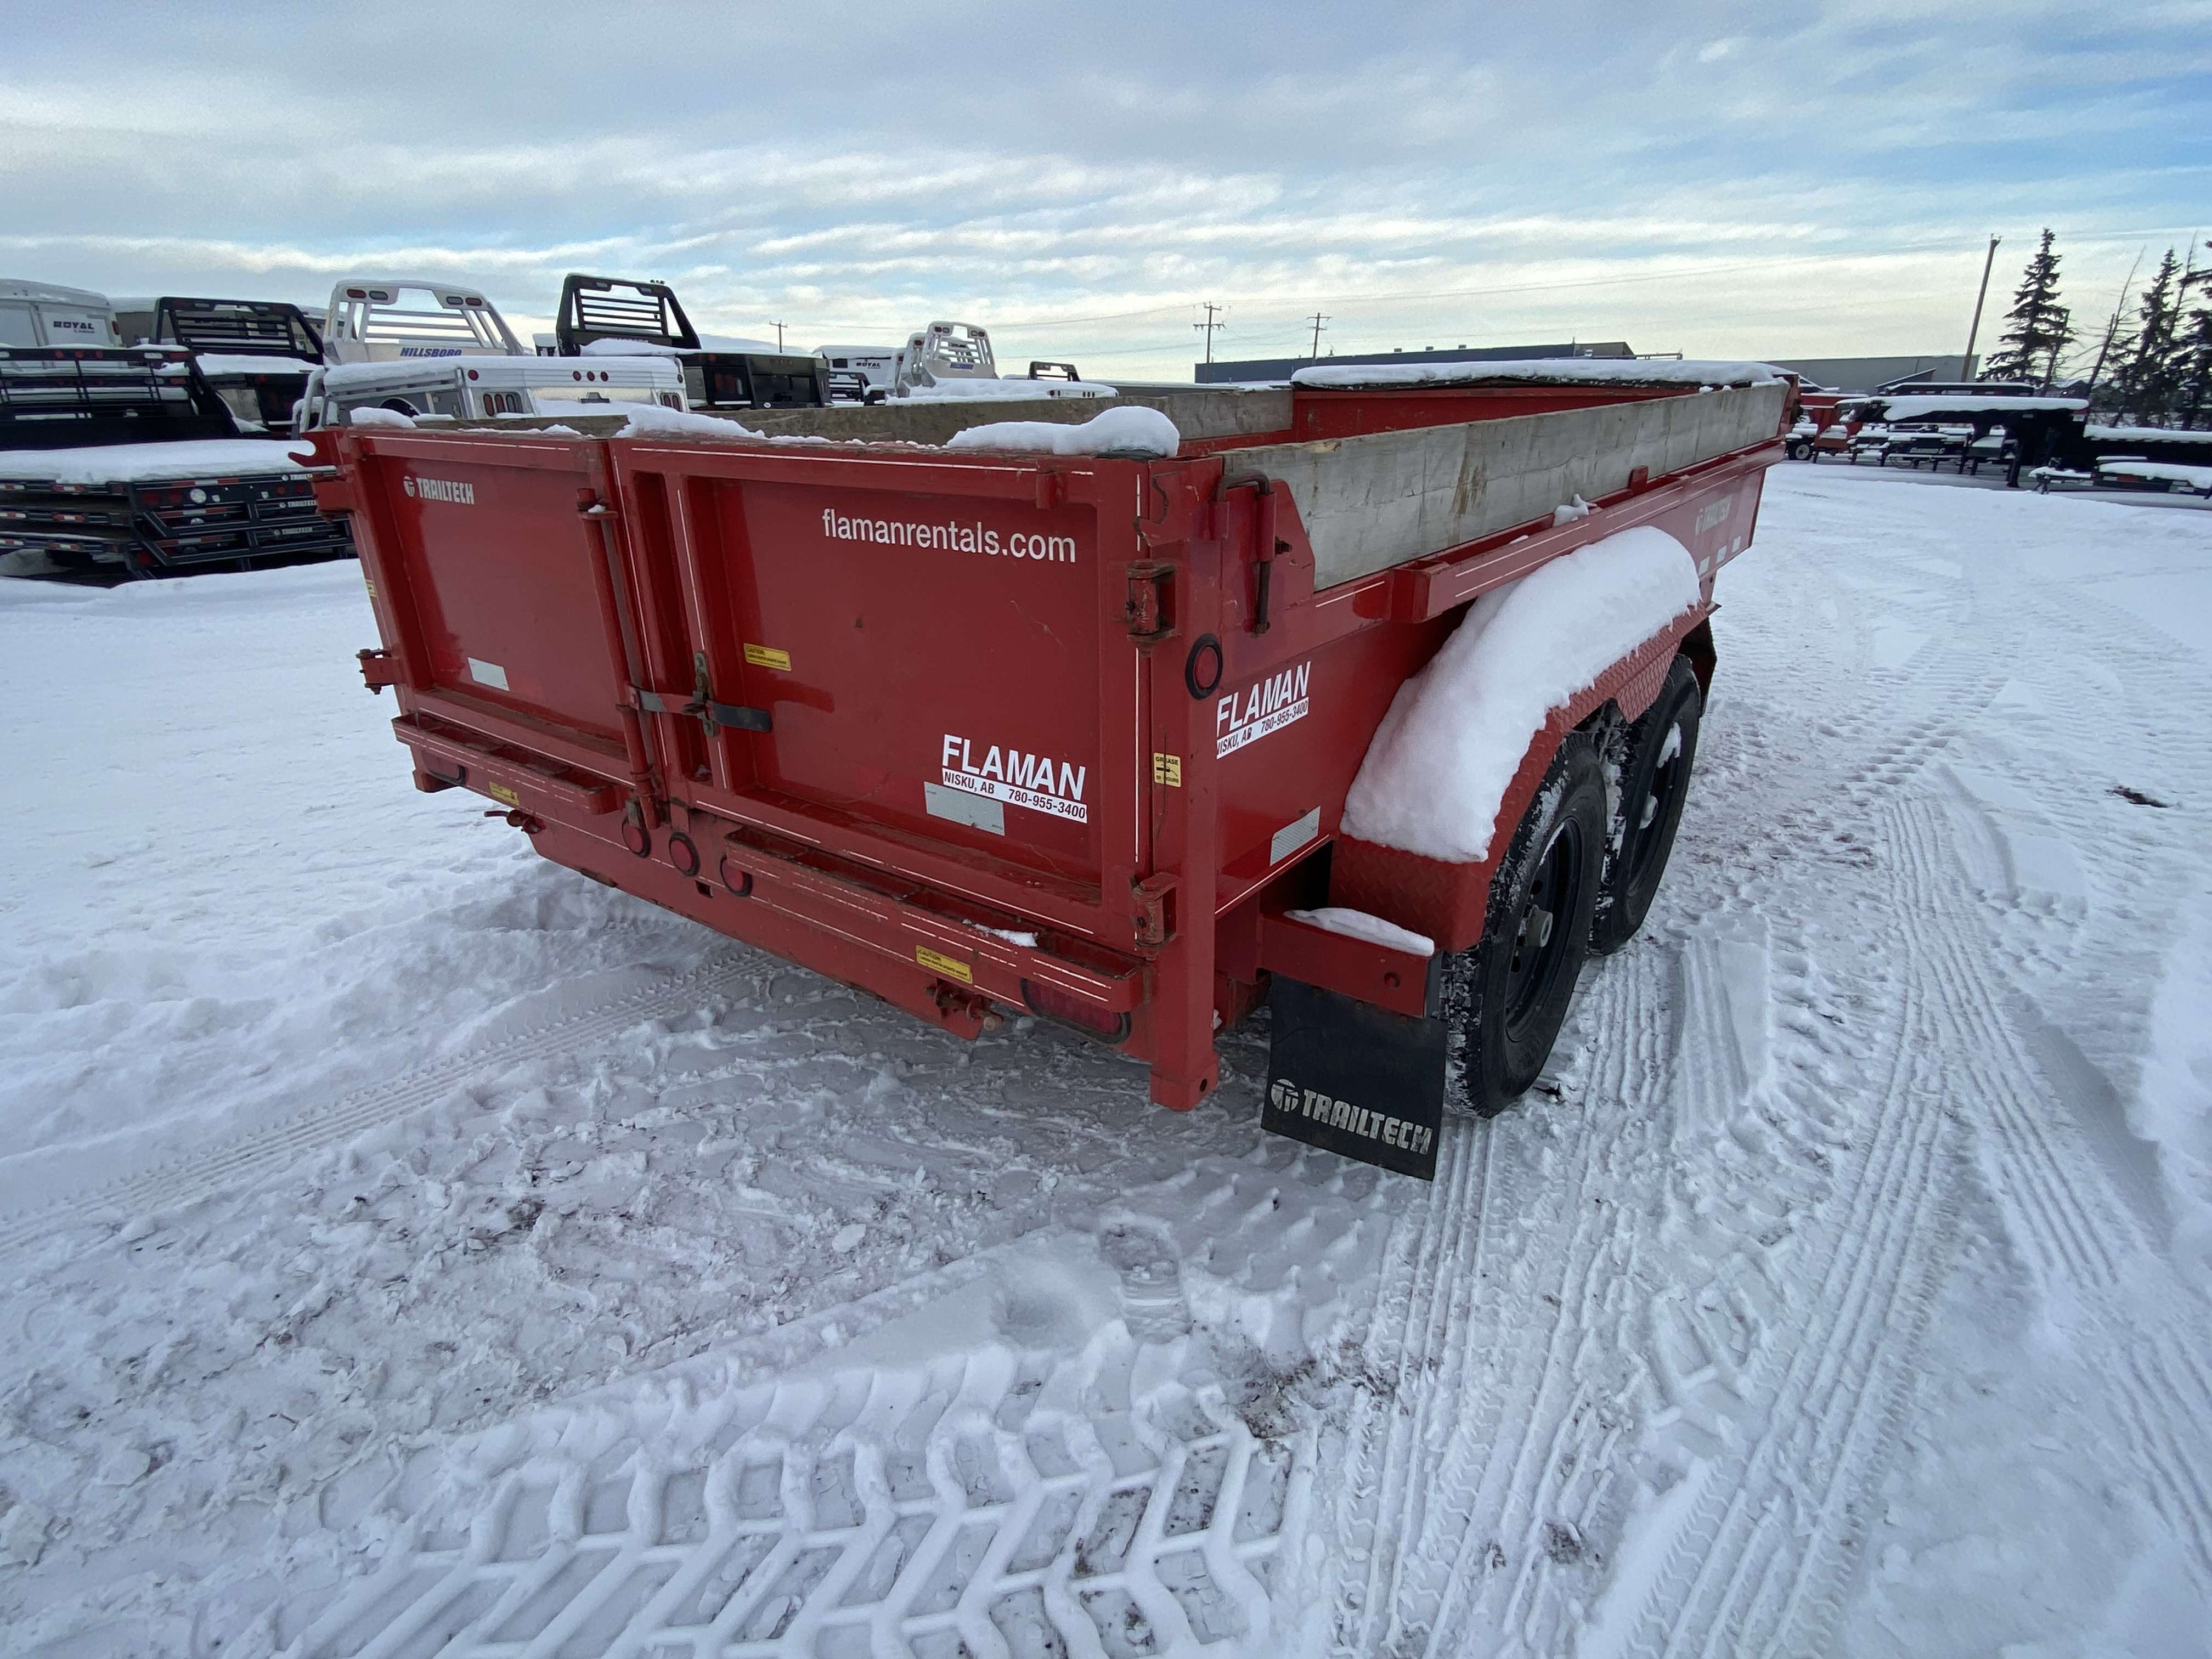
(2040, 328)
(2192, 352)
(2147, 377)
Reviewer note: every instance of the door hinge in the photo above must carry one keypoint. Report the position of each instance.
(378, 670)
(1152, 895)
(1150, 581)
(703, 707)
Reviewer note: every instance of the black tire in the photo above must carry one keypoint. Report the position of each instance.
(1506, 999)
(1654, 783)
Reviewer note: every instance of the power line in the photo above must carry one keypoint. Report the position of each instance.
(1207, 327)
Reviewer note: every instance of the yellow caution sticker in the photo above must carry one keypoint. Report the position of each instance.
(767, 656)
(1167, 770)
(369, 582)
(500, 792)
(937, 963)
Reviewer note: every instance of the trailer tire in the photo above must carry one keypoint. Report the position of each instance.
(1654, 783)
(1506, 999)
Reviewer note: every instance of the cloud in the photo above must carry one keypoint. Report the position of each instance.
(1704, 176)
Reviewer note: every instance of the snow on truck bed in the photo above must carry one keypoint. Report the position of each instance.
(205, 458)
(2145, 434)
(404, 1240)
(220, 362)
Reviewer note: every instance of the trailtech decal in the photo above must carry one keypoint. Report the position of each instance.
(1248, 715)
(1286, 1098)
(1355, 1079)
(459, 491)
(1036, 782)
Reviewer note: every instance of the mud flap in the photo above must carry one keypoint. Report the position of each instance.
(1355, 1079)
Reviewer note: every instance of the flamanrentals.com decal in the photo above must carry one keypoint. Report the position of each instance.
(948, 538)
(1247, 716)
(1036, 782)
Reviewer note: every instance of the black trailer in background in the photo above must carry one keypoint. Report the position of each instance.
(595, 308)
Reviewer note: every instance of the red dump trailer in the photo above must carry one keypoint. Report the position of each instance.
(990, 730)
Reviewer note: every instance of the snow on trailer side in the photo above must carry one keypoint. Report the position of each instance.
(997, 727)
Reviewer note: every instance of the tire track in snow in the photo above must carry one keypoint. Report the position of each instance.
(261, 1150)
(1478, 1474)
(1753, 1534)
(1018, 1506)
(2072, 1220)
(1429, 1264)
(1524, 1475)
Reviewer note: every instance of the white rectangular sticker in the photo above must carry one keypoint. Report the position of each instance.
(487, 673)
(1291, 836)
(1016, 777)
(1245, 717)
(963, 808)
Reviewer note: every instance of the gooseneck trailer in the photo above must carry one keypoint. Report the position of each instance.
(1374, 702)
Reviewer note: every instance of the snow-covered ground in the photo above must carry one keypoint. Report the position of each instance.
(407, 1246)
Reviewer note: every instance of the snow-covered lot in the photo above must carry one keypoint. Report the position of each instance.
(409, 1247)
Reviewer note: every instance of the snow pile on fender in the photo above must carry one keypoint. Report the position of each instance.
(1357, 923)
(1441, 759)
(1130, 430)
(369, 415)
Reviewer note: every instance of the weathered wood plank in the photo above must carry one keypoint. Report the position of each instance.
(1388, 497)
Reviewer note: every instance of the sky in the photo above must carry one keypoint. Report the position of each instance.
(1722, 179)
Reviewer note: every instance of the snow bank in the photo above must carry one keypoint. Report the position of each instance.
(1440, 762)
(1577, 371)
(1002, 390)
(1132, 430)
(1357, 923)
(138, 463)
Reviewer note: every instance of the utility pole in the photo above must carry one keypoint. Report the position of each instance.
(1207, 327)
(1318, 320)
(779, 328)
(1966, 363)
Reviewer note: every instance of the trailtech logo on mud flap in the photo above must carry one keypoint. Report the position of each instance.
(1036, 782)
(1247, 716)
(441, 489)
(1286, 1098)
